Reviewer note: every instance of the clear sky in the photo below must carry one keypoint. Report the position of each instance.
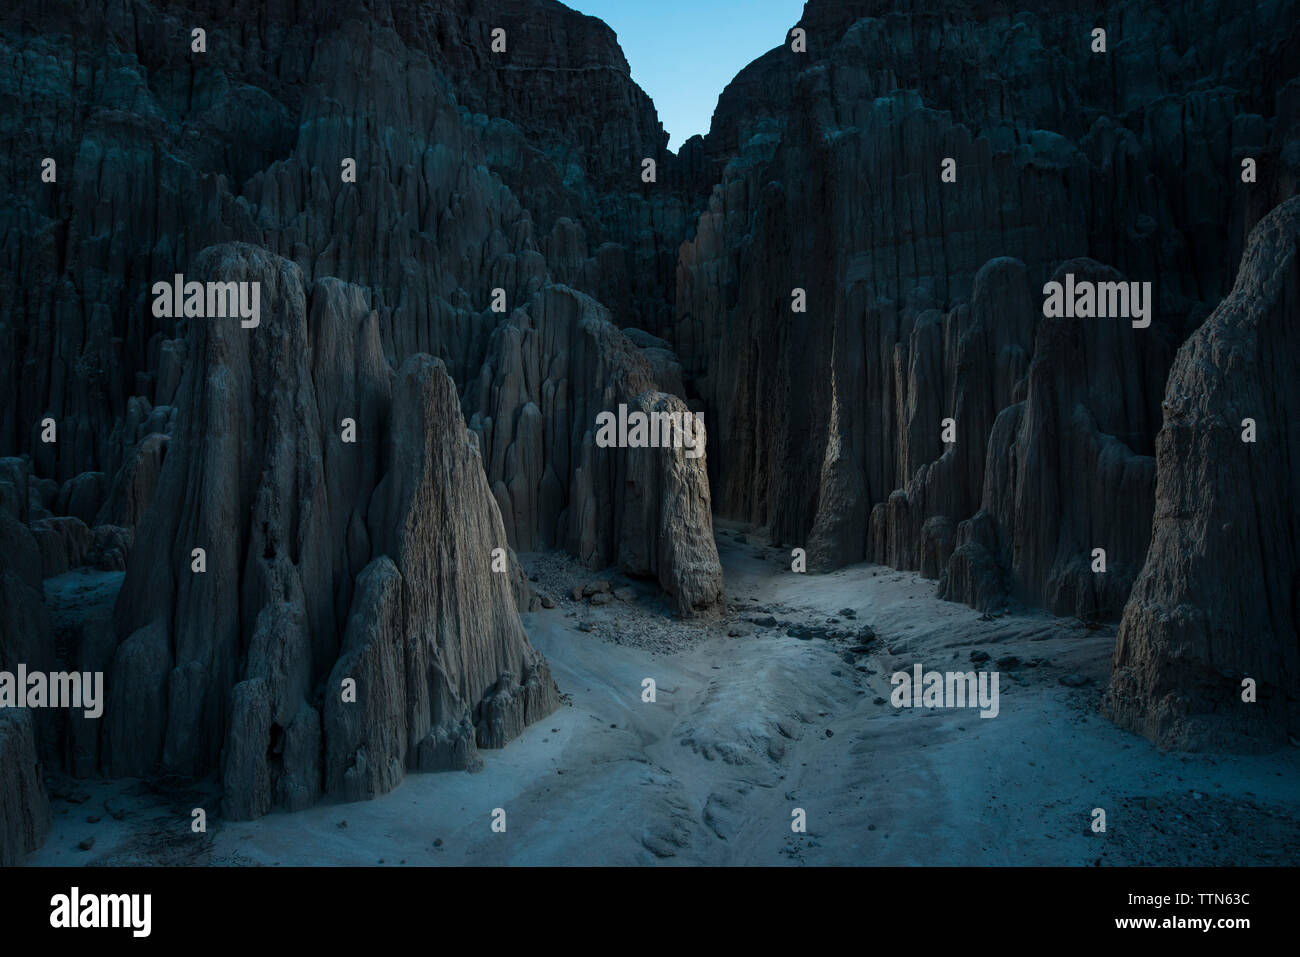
(683, 52)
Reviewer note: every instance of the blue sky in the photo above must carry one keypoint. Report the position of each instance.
(683, 52)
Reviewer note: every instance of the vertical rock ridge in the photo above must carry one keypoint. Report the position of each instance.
(289, 514)
(1216, 601)
(554, 367)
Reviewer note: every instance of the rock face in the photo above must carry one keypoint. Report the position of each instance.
(1059, 475)
(25, 638)
(551, 370)
(1218, 600)
(922, 295)
(498, 171)
(665, 526)
(495, 171)
(469, 660)
(223, 654)
(480, 178)
(24, 807)
(133, 487)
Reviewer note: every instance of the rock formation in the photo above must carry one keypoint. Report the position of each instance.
(24, 808)
(446, 207)
(461, 261)
(224, 656)
(550, 371)
(1218, 600)
(25, 638)
(182, 433)
(922, 295)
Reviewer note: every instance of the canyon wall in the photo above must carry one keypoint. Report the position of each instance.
(25, 639)
(922, 410)
(923, 297)
(1208, 654)
(408, 200)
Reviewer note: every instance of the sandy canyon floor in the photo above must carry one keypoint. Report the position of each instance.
(781, 703)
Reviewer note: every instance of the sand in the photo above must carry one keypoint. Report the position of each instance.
(747, 729)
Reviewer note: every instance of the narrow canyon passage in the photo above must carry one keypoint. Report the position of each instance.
(747, 728)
